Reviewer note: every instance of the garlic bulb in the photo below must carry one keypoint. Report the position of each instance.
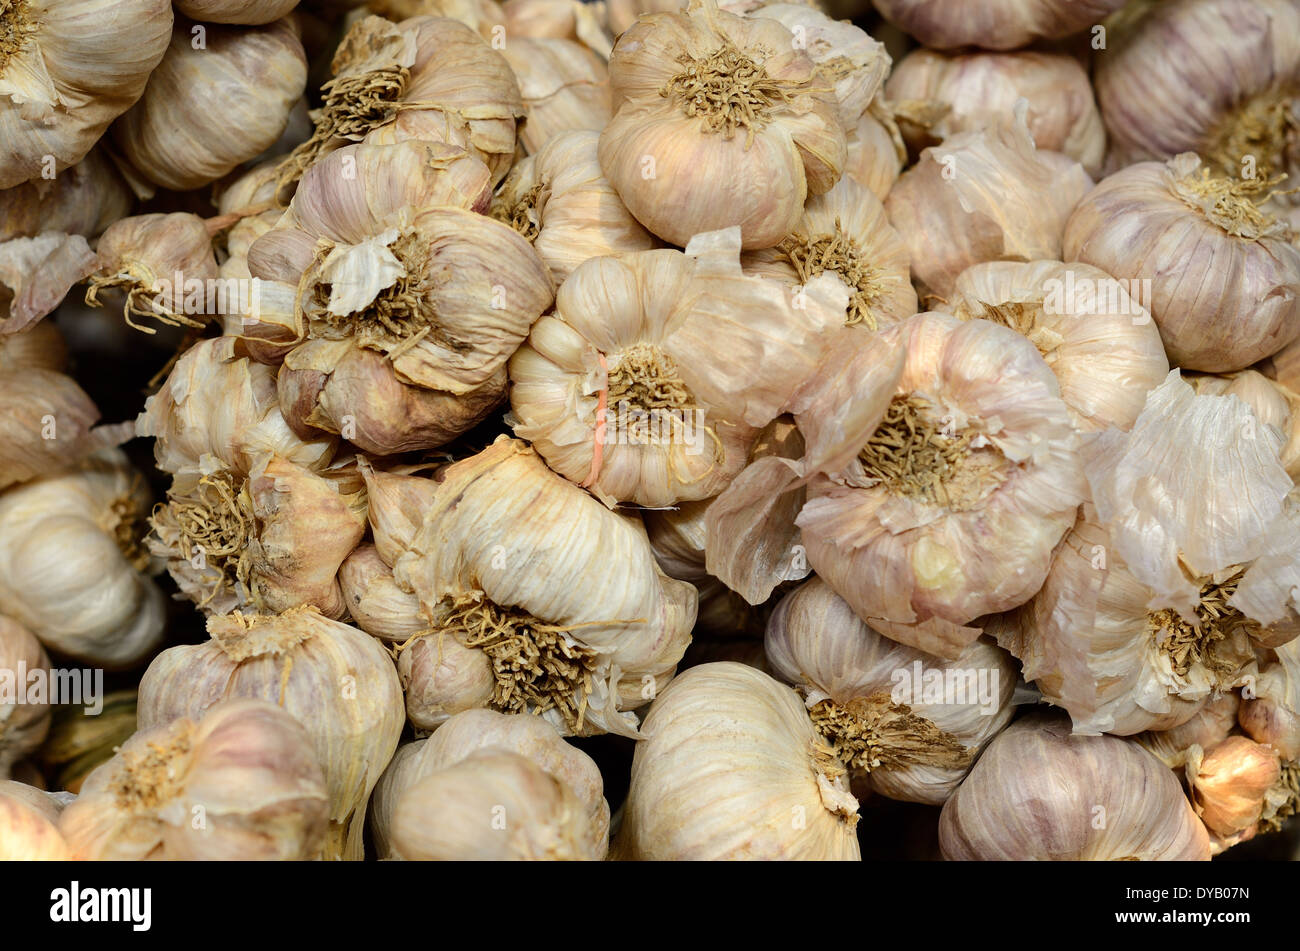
(620, 390)
(560, 200)
(84, 199)
(245, 12)
(966, 91)
(427, 78)
(36, 273)
(375, 601)
(1274, 404)
(622, 14)
(30, 823)
(975, 447)
(1215, 77)
(250, 76)
(480, 15)
(71, 563)
(1270, 709)
(993, 24)
(24, 718)
(337, 681)
(1227, 272)
(39, 347)
(476, 731)
(983, 195)
(563, 84)
(559, 19)
(1096, 336)
(441, 677)
(161, 266)
(783, 793)
(396, 302)
(241, 782)
(845, 233)
(705, 90)
(1228, 783)
(47, 424)
(909, 725)
(67, 69)
(1040, 793)
(1211, 725)
(876, 152)
(582, 628)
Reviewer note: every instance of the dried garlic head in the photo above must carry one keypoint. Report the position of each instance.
(1041, 794)
(983, 195)
(974, 447)
(47, 423)
(564, 86)
(1211, 725)
(83, 199)
(36, 273)
(39, 347)
(706, 90)
(377, 604)
(1221, 268)
(475, 731)
(877, 153)
(243, 12)
(731, 767)
(73, 567)
(581, 628)
(442, 677)
(908, 723)
(936, 95)
(1091, 328)
(240, 782)
(336, 681)
(621, 390)
(1229, 782)
(560, 200)
(67, 69)
(993, 24)
(23, 726)
(252, 77)
(30, 820)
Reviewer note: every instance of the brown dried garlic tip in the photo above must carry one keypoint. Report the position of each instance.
(241, 783)
(24, 719)
(993, 24)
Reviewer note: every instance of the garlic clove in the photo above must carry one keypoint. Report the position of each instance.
(246, 12)
(1209, 727)
(84, 199)
(1228, 783)
(31, 826)
(375, 601)
(441, 677)
(564, 86)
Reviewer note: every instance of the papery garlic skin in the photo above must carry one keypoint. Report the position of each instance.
(240, 783)
(1273, 403)
(1222, 272)
(440, 678)
(782, 794)
(562, 19)
(338, 682)
(876, 151)
(71, 563)
(564, 86)
(84, 199)
(782, 144)
(24, 722)
(47, 424)
(993, 24)
(884, 707)
(245, 12)
(71, 67)
(252, 77)
(39, 347)
(1228, 783)
(36, 273)
(983, 195)
(30, 826)
(1210, 726)
(1270, 709)
(979, 89)
(1040, 793)
(374, 600)
(1096, 336)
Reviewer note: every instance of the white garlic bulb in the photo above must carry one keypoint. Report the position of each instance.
(24, 718)
(375, 601)
(1040, 793)
(83, 199)
(993, 24)
(1210, 726)
(246, 12)
(876, 151)
(29, 826)
(36, 273)
(441, 677)
(564, 86)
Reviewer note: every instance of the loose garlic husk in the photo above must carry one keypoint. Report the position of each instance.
(783, 793)
(1209, 726)
(36, 273)
(1222, 270)
(983, 195)
(83, 199)
(252, 76)
(240, 782)
(908, 724)
(582, 632)
(67, 69)
(1270, 706)
(242, 12)
(993, 24)
(620, 390)
(564, 87)
(1228, 783)
(1040, 793)
(560, 200)
(337, 681)
(704, 89)
(24, 719)
(71, 562)
(1093, 332)
(845, 233)
(476, 731)
(1274, 405)
(939, 95)
(29, 826)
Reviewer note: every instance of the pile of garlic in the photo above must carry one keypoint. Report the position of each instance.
(545, 387)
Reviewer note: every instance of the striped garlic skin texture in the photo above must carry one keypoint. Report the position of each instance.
(71, 570)
(1274, 404)
(561, 19)
(876, 151)
(81, 63)
(1209, 726)
(84, 199)
(244, 12)
(250, 76)
(564, 86)
(29, 826)
(337, 681)
(1223, 291)
(1041, 794)
(32, 399)
(1105, 351)
(376, 603)
(36, 273)
(474, 731)
(1272, 716)
(816, 643)
(440, 677)
(993, 24)
(979, 88)
(1228, 783)
(493, 805)
(983, 195)
(730, 767)
(39, 347)
(241, 783)
(23, 726)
